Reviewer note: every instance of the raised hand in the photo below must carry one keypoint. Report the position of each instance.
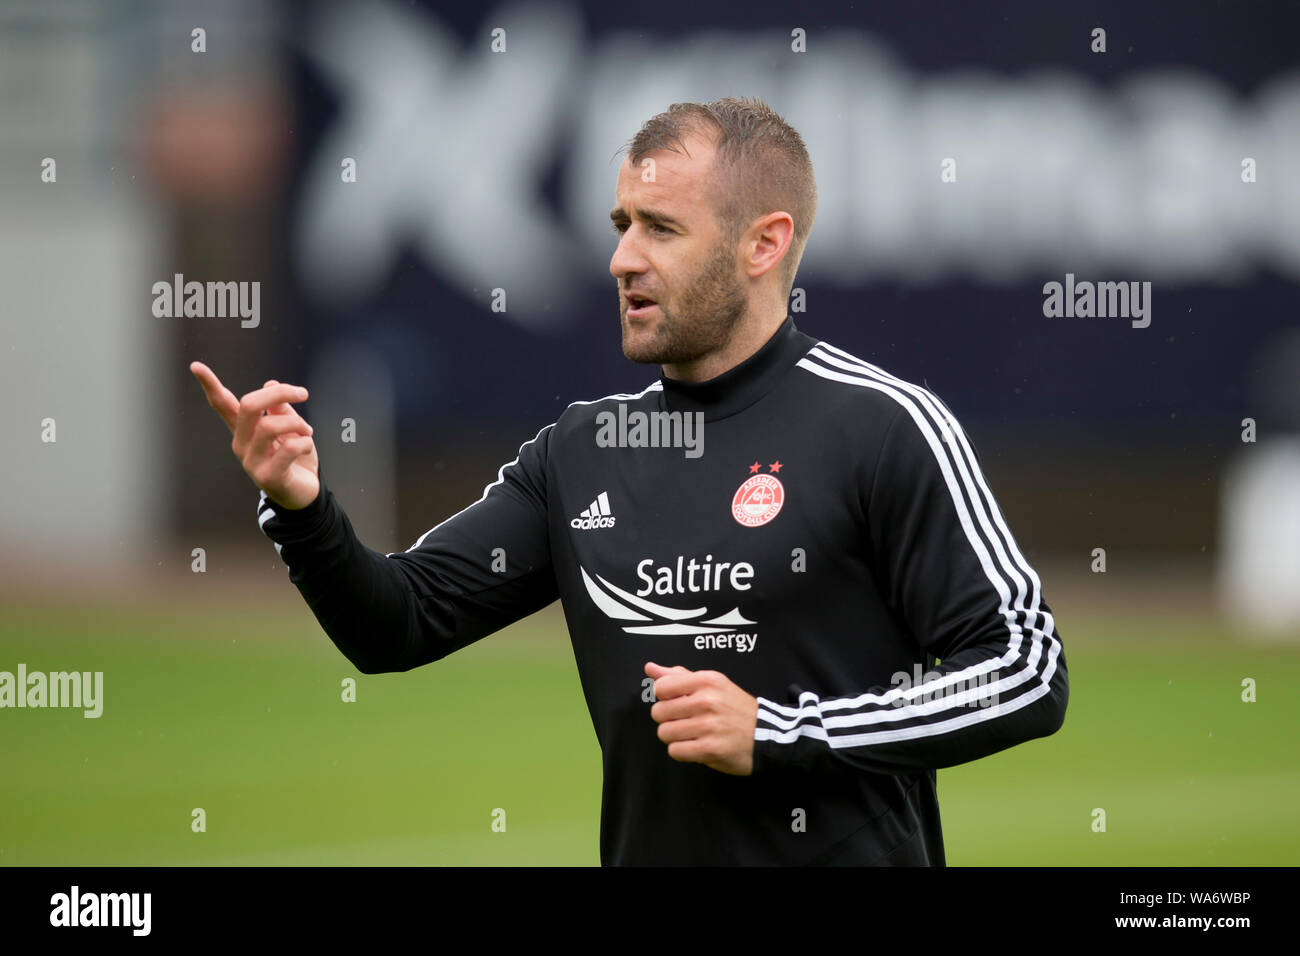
(271, 440)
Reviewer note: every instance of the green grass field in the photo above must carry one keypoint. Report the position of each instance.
(238, 711)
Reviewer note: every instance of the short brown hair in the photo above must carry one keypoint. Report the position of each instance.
(762, 164)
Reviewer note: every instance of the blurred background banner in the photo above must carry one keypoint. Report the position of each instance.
(426, 187)
(1079, 226)
(382, 168)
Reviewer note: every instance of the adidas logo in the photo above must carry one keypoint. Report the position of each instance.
(595, 515)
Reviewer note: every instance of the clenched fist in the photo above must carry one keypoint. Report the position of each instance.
(705, 718)
(271, 440)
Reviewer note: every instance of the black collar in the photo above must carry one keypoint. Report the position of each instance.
(739, 387)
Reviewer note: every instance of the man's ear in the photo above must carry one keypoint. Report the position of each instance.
(766, 242)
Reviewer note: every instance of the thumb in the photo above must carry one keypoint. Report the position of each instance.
(656, 671)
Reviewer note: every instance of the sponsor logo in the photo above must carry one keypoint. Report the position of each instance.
(595, 515)
(649, 617)
(665, 581)
(759, 499)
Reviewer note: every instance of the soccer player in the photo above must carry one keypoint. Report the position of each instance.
(790, 592)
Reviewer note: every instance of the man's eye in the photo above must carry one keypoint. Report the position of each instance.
(621, 227)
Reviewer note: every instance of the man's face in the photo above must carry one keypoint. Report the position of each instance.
(673, 251)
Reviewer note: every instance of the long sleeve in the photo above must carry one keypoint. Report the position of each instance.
(473, 574)
(947, 564)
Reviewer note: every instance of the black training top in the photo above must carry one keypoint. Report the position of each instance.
(809, 525)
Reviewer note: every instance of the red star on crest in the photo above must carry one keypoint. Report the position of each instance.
(776, 467)
(753, 469)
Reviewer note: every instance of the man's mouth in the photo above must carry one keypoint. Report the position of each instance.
(639, 305)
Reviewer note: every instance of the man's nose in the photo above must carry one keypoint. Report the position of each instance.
(627, 259)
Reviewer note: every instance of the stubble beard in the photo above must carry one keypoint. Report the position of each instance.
(716, 300)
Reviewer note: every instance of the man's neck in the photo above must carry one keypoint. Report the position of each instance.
(750, 336)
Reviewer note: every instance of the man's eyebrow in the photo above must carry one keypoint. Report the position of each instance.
(619, 214)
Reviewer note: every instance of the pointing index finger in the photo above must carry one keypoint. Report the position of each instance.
(221, 399)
